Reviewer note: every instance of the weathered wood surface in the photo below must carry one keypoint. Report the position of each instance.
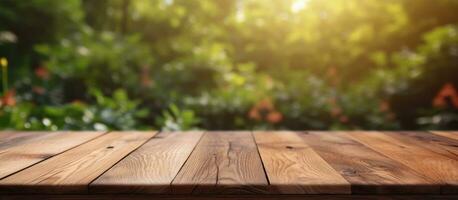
(367, 170)
(19, 155)
(223, 162)
(156, 163)
(449, 134)
(230, 197)
(237, 164)
(13, 138)
(293, 167)
(419, 156)
(73, 170)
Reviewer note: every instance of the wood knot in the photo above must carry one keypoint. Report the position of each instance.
(349, 172)
(289, 147)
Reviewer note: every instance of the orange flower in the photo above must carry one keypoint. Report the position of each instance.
(447, 91)
(384, 106)
(265, 104)
(38, 90)
(336, 111)
(8, 98)
(265, 110)
(332, 72)
(42, 73)
(145, 79)
(254, 114)
(332, 75)
(391, 116)
(343, 119)
(274, 117)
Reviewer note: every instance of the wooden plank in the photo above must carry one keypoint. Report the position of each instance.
(444, 146)
(222, 163)
(14, 138)
(441, 145)
(294, 168)
(20, 155)
(435, 166)
(73, 170)
(6, 134)
(368, 171)
(229, 197)
(449, 134)
(151, 168)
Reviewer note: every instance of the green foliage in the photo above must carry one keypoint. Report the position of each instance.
(38, 21)
(100, 60)
(433, 66)
(254, 64)
(107, 113)
(117, 112)
(174, 119)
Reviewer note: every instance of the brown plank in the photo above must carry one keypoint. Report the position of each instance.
(441, 145)
(151, 168)
(73, 170)
(23, 154)
(294, 168)
(222, 163)
(449, 134)
(368, 171)
(444, 146)
(13, 138)
(8, 135)
(435, 166)
(229, 197)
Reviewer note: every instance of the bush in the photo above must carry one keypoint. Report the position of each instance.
(179, 65)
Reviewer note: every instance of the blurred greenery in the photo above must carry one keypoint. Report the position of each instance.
(229, 64)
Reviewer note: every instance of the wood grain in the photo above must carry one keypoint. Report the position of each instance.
(229, 197)
(222, 163)
(449, 134)
(14, 138)
(294, 168)
(34, 149)
(151, 168)
(441, 145)
(368, 171)
(420, 158)
(73, 170)
(271, 165)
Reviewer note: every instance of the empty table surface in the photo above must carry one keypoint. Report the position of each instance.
(229, 164)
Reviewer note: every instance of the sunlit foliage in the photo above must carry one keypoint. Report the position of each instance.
(230, 64)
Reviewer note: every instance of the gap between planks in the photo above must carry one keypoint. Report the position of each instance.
(257, 146)
(413, 153)
(293, 167)
(232, 166)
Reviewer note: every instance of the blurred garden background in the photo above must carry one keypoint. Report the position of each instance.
(229, 64)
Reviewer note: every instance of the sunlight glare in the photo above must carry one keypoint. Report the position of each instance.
(240, 13)
(299, 5)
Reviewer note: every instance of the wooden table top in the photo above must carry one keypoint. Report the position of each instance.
(232, 163)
